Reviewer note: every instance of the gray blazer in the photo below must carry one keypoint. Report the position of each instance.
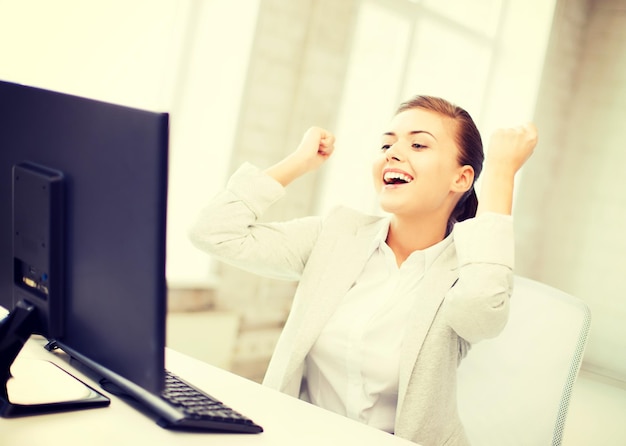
(462, 298)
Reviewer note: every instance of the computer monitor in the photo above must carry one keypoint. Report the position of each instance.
(89, 252)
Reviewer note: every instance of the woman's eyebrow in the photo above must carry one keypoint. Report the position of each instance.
(412, 132)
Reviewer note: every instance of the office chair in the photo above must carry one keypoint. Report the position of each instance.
(515, 389)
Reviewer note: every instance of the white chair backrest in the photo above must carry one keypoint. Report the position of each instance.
(515, 389)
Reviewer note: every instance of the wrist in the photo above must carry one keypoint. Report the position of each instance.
(496, 191)
(287, 170)
(499, 171)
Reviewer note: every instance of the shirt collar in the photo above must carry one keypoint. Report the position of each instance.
(429, 254)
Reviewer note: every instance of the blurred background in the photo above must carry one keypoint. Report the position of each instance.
(243, 79)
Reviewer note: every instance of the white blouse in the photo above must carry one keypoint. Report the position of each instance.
(353, 367)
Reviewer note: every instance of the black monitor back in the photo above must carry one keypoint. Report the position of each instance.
(114, 162)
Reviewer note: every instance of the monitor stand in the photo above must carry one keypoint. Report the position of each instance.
(36, 386)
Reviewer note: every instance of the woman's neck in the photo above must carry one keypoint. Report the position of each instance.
(408, 235)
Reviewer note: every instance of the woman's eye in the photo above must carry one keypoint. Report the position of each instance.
(418, 146)
(385, 147)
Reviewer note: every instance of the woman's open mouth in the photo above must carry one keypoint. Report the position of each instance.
(393, 177)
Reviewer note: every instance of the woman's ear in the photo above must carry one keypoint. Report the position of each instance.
(464, 179)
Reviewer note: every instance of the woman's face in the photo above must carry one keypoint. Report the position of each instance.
(416, 172)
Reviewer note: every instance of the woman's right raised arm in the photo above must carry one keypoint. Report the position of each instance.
(315, 147)
(228, 226)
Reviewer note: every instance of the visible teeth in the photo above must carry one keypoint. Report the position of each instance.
(396, 176)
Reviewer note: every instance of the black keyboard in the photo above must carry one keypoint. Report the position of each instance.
(196, 410)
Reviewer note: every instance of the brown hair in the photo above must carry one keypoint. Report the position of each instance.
(468, 141)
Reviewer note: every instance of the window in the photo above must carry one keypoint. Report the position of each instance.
(476, 54)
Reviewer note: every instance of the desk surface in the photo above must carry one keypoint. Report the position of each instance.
(286, 420)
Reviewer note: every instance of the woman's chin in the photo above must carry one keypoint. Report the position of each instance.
(389, 205)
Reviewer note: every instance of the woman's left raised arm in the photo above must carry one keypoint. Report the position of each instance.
(508, 150)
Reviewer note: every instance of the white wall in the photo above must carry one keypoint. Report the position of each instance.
(572, 209)
(185, 57)
(93, 49)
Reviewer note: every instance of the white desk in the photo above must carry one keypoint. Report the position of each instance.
(286, 420)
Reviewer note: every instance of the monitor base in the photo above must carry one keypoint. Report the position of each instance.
(36, 386)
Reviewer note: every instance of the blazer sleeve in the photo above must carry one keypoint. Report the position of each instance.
(477, 306)
(229, 228)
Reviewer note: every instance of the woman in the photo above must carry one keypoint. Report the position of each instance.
(386, 307)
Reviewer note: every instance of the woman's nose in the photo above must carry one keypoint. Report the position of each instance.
(393, 152)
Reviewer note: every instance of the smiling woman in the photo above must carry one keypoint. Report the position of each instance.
(412, 290)
(450, 141)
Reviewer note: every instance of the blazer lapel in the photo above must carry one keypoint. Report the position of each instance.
(436, 282)
(348, 256)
